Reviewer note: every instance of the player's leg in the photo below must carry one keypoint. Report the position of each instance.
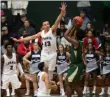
(86, 83)
(77, 88)
(16, 84)
(51, 64)
(68, 89)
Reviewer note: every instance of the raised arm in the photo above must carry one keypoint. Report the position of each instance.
(27, 38)
(63, 10)
(68, 36)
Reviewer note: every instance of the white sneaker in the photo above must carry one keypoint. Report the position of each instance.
(84, 92)
(27, 93)
(8, 94)
(63, 94)
(13, 93)
(87, 91)
(93, 92)
(102, 93)
(35, 93)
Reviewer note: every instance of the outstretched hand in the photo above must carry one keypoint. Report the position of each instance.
(14, 39)
(63, 7)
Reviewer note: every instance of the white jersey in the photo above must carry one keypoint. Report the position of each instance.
(49, 41)
(9, 67)
(42, 90)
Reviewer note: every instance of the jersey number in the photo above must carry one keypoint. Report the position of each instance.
(11, 67)
(47, 43)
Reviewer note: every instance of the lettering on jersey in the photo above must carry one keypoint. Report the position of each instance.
(47, 38)
(11, 62)
(61, 57)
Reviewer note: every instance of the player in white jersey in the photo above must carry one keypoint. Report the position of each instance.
(48, 34)
(45, 86)
(9, 64)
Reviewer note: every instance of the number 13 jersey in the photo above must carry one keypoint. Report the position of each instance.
(49, 41)
(10, 64)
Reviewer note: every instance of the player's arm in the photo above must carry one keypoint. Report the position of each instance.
(2, 64)
(63, 10)
(25, 58)
(68, 36)
(27, 38)
(19, 66)
(83, 58)
(46, 80)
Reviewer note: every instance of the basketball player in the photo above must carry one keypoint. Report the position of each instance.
(106, 70)
(90, 61)
(45, 86)
(9, 64)
(75, 71)
(35, 59)
(48, 34)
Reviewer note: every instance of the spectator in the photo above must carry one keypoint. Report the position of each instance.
(85, 20)
(26, 30)
(61, 31)
(85, 5)
(3, 21)
(83, 27)
(67, 21)
(90, 39)
(3, 50)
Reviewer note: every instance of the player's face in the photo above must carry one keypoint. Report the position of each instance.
(9, 48)
(90, 47)
(82, 14)
(60, 47)
(45, 68)
(35, 46)
(46, 25)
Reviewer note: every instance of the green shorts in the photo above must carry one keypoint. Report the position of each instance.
(75, 72)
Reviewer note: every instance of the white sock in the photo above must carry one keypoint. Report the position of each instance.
(35, 91)
(62, 90)
(108, 89)
(94, 88)
(85, 88)
(13, 90)
(7, 91)
(103, 90)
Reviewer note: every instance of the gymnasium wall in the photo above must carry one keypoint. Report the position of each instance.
(39, 11)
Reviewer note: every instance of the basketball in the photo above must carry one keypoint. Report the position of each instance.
(78, 21)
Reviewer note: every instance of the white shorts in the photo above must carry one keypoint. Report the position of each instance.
(50, 59)
(13, 79)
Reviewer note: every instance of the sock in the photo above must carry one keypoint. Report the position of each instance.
(103, 90)
(94, 88)
(7, 91)
(108, 89)
(35, 91)
(13, 90)
(62, 90)
(85, 88)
